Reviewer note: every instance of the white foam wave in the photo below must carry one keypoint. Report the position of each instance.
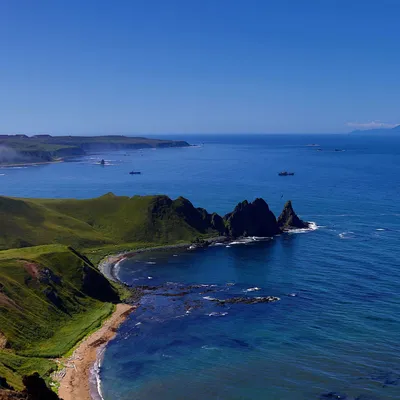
(95, 375)
(253, 289)
(243, 241)
(2, 174)
(209, 298)
(311, 227)
(15, 167)
(149, 277)
(205, 347)
(217, 314)
(150, 262)
(346, 235)
(228, 246)
(250, 239)
(381, 229)
(117, 267)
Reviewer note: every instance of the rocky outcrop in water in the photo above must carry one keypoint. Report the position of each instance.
(247, 300)
(289, 219)
(251, 219)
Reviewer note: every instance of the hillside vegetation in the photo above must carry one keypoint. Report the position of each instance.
(104, 220)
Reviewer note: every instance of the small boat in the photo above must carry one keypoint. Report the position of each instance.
(134, 173)
(285, 173)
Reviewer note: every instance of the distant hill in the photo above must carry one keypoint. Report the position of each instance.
(20, 149)
(383, 132)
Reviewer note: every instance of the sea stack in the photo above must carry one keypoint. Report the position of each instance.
(289, 219)
(251, 219)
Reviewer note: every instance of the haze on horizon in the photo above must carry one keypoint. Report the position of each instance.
(135, 67)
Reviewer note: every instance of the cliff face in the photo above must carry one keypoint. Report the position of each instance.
(289, 219)
(251, 219)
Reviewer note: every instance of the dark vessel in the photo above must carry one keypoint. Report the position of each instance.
(285, 173)
(102, 162)
(134, 173)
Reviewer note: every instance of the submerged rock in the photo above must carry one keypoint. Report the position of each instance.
(251, 219)
(247, 300)
(289, 219)
(333, 395)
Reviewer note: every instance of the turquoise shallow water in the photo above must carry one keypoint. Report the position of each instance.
(337, 325)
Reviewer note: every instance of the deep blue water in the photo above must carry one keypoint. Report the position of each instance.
(337, 325)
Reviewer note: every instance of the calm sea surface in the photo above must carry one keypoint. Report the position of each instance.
(335, 331)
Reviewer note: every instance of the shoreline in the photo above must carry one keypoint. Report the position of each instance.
(30, 164)
(108, 264)
(75, 378)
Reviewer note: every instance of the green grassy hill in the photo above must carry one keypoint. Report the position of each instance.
(104, 220)
(50, 298)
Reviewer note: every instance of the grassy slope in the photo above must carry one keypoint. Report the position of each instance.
(44, 314)
(35, 324)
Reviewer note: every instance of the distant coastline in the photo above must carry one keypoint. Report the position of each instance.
(40, 149)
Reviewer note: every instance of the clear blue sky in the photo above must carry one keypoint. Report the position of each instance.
(195, 66)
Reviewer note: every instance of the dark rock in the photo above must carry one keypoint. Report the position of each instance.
(97, 286)
(217, 223)
(47, 276)
(251, 219)
(4, 384)
(199, 244)
(52, 295)
(36, 388)
(289, 220)
(247, 300)
(333, 395)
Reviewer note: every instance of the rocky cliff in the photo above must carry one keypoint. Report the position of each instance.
(251, 219)
(289, 219)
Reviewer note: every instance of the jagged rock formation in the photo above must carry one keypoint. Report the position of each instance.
(251, 219)
(289, 219)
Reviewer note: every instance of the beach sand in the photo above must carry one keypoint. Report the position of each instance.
(74, 383)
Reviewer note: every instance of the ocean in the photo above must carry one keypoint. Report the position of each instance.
(334, 332)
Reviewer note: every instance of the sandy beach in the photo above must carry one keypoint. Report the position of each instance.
(74, 380)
